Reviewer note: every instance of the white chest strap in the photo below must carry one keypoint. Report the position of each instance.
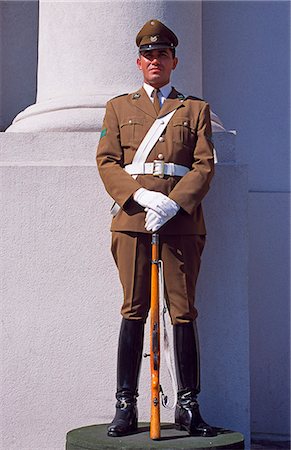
(151, 138)
(138, 165)
(146, 146)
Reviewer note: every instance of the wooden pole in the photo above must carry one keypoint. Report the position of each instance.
(155, 428)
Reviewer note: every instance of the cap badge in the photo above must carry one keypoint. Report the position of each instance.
(154, 38)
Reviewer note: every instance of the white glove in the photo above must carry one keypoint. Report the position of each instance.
(154, 221)
(151, 199)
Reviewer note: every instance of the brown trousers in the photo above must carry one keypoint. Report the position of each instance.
(181, 258)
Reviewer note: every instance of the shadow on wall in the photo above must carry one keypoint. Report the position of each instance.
(19, 40)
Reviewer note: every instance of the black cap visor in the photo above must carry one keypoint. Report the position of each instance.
(155, 46)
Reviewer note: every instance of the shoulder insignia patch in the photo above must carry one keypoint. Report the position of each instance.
(103, 133)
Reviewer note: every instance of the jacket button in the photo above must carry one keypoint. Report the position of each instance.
(130, 121)
(161, 139)
(160, 156)
(185, 123)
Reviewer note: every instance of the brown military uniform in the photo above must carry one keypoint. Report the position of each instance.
(186, 141)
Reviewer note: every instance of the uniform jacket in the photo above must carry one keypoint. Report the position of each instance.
(186, 141)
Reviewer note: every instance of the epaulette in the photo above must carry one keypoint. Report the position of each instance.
(192, 97)
(121, 95)
(188, 97)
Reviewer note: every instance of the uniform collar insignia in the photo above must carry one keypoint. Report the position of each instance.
(136, 95)
(181, 96)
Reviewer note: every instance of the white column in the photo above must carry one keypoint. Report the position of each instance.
(87, 55)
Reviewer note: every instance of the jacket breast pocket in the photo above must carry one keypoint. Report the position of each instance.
(184, 132)
(131, 132)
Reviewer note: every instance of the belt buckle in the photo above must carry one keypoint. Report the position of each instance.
(159, 168)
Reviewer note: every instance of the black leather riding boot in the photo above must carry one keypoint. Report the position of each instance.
(187, 361)
(128, 366)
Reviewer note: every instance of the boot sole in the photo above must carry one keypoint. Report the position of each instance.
(117, 434)
(131, 430)
(180, 427)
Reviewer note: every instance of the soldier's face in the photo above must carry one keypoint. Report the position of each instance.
(157, 66)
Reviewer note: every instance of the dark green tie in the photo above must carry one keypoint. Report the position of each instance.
(157, 105)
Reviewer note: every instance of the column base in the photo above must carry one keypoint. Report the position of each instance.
(84, 113)
(63, 114)
(95, 437)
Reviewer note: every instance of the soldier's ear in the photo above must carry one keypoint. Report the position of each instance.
(138, 63)
(175, 62)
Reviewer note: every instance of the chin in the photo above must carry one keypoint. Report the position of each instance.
(156, 79)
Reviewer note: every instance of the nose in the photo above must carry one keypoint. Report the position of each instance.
(156, 60)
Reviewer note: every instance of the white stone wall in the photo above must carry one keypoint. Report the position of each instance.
(62, 294)
(246, 79)
(18, 57)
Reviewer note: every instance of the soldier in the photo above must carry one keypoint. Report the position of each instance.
(164, 194)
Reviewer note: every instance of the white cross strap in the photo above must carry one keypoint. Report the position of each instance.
(151, 137)
(146, 147)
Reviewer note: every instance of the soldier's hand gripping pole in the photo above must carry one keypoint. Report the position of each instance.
(155, 428)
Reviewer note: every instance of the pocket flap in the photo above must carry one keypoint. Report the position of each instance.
(182, 122)
(132, 121)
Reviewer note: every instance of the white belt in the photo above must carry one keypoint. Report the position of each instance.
(157, 168)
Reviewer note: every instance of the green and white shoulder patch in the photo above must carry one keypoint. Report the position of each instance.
(103, 133)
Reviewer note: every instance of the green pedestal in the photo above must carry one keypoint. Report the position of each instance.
(95, 437)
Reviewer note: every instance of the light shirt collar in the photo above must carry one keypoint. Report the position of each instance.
(164, 91)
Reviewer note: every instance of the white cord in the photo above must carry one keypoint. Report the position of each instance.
(166, 352)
